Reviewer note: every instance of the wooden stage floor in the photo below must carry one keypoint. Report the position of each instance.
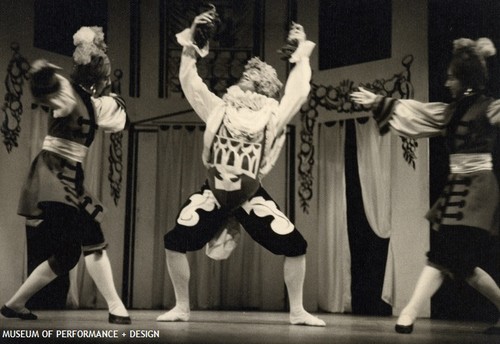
(223, 327)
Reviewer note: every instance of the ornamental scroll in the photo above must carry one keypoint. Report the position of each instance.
(115, 158)
(12, 108)
(338, 98)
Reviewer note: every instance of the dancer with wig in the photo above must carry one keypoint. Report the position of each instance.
(53, 199)
(466, 215)
(245, 130)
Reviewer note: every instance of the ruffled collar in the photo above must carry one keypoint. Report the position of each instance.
(247, 113)
(238, 99)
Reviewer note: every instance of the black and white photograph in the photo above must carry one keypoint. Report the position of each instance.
(250, 171)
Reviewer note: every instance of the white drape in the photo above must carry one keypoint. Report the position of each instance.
(374, 161)
(334, 258)
(375, 165)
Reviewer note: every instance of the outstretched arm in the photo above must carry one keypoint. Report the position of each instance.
(407, 117)
(196, 91)
(298, 84)
(364, 97)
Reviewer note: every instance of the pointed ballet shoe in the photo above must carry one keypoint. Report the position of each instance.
(117, 319)
(10, 313)
(306, 319)
(404, 328)
(172, 316)
(407, 319)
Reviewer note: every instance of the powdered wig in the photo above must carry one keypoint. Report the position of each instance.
(468, 63)
(269, 84)
(90, 62)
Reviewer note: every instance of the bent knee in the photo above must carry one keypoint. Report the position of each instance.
(63, 262)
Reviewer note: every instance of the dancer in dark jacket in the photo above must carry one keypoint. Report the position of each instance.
(53, 199)
(466, 214)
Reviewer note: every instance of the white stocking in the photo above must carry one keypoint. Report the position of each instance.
(294, 272)
(428, 283)
(178, 269)
(99, 268)
(39, 278)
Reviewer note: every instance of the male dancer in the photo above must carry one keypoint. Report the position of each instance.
(244, 135)
(53, 198)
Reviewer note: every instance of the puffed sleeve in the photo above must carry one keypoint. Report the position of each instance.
(201, 99)
(110, 112)
(297, 86)
(409, 117)
(493, 113)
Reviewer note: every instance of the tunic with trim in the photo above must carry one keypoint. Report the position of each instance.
(470, 126)
(56, 174)
(245, 131)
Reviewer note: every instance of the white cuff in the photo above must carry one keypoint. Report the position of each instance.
(184, 39)
(304, 49)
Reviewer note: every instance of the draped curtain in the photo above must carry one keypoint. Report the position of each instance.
(246, 279)
(334, 259)
(374, 161)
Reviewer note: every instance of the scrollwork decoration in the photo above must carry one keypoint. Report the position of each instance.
(17, 72)
(115, 158)
(338, 98)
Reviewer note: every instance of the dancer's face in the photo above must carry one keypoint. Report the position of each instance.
(453, 84)
(249, 79)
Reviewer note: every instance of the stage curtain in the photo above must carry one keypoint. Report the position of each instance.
(375, 166)
(334, 258)
(374, 161)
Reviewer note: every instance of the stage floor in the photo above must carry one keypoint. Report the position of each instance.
(223, 327)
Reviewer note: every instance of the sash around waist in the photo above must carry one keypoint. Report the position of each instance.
(68, 149)
(470, 162)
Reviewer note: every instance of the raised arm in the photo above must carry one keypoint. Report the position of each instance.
(51, 89)
(298, 86)
(196, 91)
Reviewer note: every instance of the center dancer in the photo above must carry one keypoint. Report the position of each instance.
(244, 135)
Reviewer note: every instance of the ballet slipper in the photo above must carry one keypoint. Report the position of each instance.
(306, 319)
(174, 315)
(23, 314)
(405, 324)
(119, 320)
